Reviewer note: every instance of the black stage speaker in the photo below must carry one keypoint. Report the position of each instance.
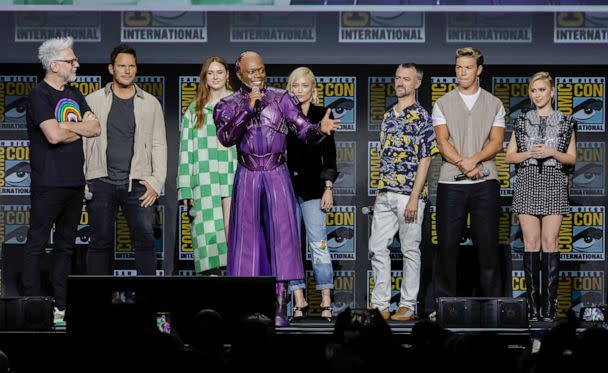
(457, 312)
(512, 313)
(26, 313)
(111, 307)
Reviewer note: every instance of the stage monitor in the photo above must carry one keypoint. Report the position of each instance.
(111, 307)
(482, 312)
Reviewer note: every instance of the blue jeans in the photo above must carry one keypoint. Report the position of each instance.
(102, 209)
(314, 221)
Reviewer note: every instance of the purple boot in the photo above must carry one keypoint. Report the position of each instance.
(281, 305)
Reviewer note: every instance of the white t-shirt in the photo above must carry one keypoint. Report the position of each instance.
(469, 101)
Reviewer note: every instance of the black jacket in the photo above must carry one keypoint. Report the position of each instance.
(311, 164)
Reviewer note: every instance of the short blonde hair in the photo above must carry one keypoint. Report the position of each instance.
(306, 73)
(541, 75)
(470, 52)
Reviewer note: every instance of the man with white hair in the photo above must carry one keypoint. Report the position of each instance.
(57, 119)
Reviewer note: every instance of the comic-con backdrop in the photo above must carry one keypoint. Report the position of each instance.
(358, 95)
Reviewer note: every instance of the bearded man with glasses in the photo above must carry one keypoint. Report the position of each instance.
(57, 118)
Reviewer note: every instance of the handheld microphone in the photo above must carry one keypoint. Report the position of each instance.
(257, 106)
(191, 212)
(365, 210)
(484, 171)
(87, 193)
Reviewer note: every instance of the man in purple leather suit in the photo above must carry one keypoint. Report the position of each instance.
(263, 236)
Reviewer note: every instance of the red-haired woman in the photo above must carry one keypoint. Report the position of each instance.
(206, 169)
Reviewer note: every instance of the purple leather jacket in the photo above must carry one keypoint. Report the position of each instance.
(262, 141)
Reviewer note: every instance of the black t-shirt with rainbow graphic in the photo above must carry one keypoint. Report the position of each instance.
(55, 165)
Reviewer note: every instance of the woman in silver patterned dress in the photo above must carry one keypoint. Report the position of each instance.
(543, 146)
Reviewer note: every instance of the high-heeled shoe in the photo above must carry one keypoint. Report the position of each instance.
(303, 310)
(327, 318)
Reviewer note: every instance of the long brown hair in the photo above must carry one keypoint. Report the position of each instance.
(203, 93)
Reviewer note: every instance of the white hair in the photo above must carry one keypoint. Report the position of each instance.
(51, 50)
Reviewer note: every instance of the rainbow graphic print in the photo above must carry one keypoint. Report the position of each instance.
(67, 110)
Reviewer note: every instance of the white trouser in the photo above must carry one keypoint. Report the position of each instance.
(387, 220)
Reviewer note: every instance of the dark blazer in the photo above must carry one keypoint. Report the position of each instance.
(311, 164)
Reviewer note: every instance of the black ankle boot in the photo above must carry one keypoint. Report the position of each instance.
(532, 275)
(281, 305)
(550, 278)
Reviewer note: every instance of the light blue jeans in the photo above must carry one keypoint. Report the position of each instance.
(314, 221)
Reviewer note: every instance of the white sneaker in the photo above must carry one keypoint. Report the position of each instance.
(58, 316)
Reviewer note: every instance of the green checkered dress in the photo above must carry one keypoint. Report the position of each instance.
(205, 175)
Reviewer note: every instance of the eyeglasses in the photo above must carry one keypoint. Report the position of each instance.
(72, 62)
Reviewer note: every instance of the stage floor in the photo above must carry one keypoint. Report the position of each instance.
(319, 326)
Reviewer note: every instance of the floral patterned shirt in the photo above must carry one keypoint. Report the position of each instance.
(405, 138)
